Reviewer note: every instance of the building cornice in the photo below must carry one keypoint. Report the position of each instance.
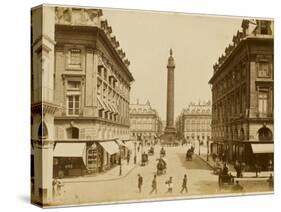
(105, 40)
(243, 43)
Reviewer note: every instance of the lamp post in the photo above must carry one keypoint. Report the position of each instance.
(199, 145)
(135, 158)
(207, 149)
(120, 162)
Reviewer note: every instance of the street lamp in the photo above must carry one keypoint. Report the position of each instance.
(199, 145)
(207, 149)
(120, 162)
(135, 158)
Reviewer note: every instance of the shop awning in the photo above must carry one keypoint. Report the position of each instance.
(110, 147)
(107, 106)
(130, 145)
(110, 108)
(102, 104)
(119, 142)
(262, 148)
(114, 108)
(70, 150)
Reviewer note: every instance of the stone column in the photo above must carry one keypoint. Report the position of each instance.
(170, 129)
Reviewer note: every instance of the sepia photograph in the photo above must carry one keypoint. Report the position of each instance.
(135, 105)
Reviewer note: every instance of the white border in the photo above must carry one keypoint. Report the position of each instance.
(15, 108)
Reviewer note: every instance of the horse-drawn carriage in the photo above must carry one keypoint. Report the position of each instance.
(151, 151)
(162, 152)
(161, 166)
(189, 153)
(144, 159)
(225, 179)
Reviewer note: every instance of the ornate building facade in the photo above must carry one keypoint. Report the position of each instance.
(194, 122)
(242, 96)
(145, 124)
(80, 93)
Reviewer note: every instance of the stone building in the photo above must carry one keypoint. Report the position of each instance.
(80, 94)
(194, 122)
(145, 123)
(242, 96)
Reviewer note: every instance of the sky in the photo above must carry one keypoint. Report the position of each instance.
(197, 42)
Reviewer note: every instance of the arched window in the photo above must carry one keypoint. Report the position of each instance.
(42, 130)
(72, 132)
(265, 134)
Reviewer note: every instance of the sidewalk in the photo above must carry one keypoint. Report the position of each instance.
(246, 175)
(111, 174)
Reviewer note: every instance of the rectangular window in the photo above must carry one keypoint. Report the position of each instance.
(73, 85)
(263, 103)
(73, 105)
(263, 69)
(75, 57)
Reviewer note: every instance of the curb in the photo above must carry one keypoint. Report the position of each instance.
(101, 180)
(251, 177)
(206, 162)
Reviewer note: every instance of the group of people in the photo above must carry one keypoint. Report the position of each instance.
(169, 184)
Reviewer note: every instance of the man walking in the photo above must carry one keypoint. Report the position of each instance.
(184, 184)
(154, 185)
(140, 180)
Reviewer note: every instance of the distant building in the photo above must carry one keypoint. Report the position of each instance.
(242, 96)
(194, 122)
(145, 122)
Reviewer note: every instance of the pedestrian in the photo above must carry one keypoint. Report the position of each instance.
(236, 167)
(237, 187)
(170, 185)
(270, 181)
(231, 177)
(140, 181)
(154, 185)
(225, 169)
(184, 184)
(270, 165)
(257, 169)
(55, 187)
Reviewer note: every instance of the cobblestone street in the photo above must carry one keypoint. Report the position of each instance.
(201, 182)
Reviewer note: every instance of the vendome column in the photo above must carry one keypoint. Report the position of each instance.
(170, 130)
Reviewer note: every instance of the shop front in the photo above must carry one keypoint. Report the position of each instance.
(217, 148)
(254, 154)
(262, 155)
(122, 147)
(69, 160)
(111, 154)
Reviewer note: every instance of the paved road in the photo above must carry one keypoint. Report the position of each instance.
(201, 181)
